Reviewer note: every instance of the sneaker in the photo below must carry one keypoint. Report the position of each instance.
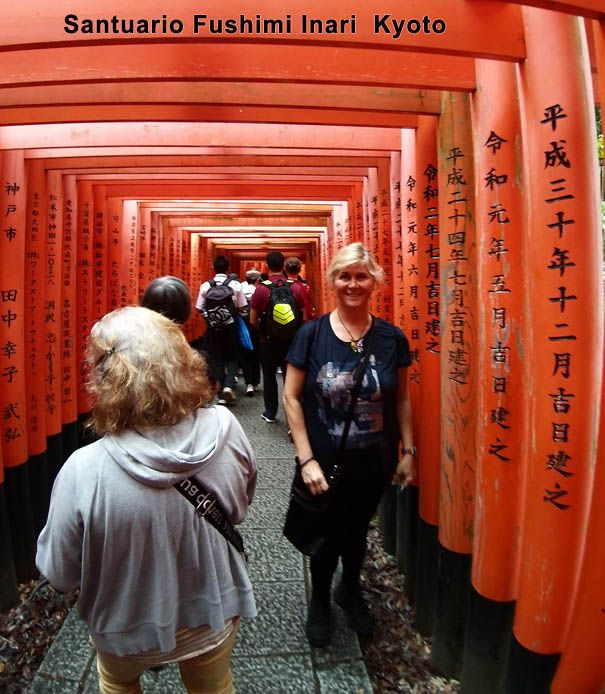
(229, 396)
(256, 388)
(235, 380)
(270, 420)
(356, 610)
(249, 390)
(317, 628)
(221, 401)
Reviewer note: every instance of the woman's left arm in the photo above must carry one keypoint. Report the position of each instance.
(406, 469)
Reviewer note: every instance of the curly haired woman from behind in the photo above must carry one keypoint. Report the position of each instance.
(157, 582)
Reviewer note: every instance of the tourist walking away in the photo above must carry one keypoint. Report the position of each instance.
(277, 310)
(250, 359)
(170, 296)
(158, 582)
(220, 300)
(292, 267)
(324, 361)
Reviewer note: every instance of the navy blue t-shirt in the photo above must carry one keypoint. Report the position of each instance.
(372, 445)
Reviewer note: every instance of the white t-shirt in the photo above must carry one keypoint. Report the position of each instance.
(238, 295)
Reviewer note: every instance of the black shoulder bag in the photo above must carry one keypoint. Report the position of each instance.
(309, 516)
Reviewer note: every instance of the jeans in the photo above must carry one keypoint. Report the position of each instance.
(208, 673)
(272, 355)
(223, 347)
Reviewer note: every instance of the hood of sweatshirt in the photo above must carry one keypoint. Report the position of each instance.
(164, 456)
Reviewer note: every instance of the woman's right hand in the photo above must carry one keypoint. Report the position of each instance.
(313, 477)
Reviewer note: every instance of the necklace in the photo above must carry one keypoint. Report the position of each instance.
(356, 344)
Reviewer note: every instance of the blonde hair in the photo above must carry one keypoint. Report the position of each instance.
(144, 374)
(351, 255)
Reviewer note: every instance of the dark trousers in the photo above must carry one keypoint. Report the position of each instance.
(355, 502)
(223, 347)
(250, 359)
(272, 355)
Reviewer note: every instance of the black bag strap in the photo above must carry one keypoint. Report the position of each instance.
(209, 507)
(359, 374)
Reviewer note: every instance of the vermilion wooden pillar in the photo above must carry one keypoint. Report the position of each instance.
(70, 362)
(13, 403)
(13, 203)
(396, 240)
(385, 254)
(407, 500)
(41, 318)
(566, 309)
(459, 358)
(373, 238)
(428, 434)
(503, 344)
(39, 340)
(84, 288)
(581, 667)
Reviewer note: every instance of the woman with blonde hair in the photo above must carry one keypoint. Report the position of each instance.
(158, 583)
(323, 366)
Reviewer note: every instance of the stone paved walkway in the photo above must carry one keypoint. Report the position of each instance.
(271, 655)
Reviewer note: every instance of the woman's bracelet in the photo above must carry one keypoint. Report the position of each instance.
(304, 462)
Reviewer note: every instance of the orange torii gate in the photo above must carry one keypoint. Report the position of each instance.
(499, 285)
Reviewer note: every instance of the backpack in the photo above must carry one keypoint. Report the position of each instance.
(283, 317)
(221, 311)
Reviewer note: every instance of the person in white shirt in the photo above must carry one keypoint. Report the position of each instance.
(250, 359)
(222, 342)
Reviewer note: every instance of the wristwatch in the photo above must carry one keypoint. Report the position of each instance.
(410, 451)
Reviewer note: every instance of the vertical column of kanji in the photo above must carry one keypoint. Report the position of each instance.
(62, 219)
(349, 230)
(54, 375)
(154, 246)
(13, 308)
(128, 260)
(338, 222)
(428, 434)
(84, 286)
(502, 433)
(373, 243)
(385, 251)
(144, 255)
(406, 251)
(457, 253)
(566, 308)
(186, 269)
(167, 256)
(114, 234)
(358, 220)
(397, 240)
(8, 579)
(36, 338)
(178, 232)
(196, 321)
(581, 665)
(99, 266)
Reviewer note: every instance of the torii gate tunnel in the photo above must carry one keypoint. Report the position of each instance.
(458, 140)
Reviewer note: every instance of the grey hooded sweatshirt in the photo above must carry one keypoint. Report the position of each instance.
(145, 563)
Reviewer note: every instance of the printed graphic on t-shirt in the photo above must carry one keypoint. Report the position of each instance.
(333, 400)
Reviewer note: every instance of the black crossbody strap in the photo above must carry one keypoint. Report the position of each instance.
(208, 506)
(359, 374)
